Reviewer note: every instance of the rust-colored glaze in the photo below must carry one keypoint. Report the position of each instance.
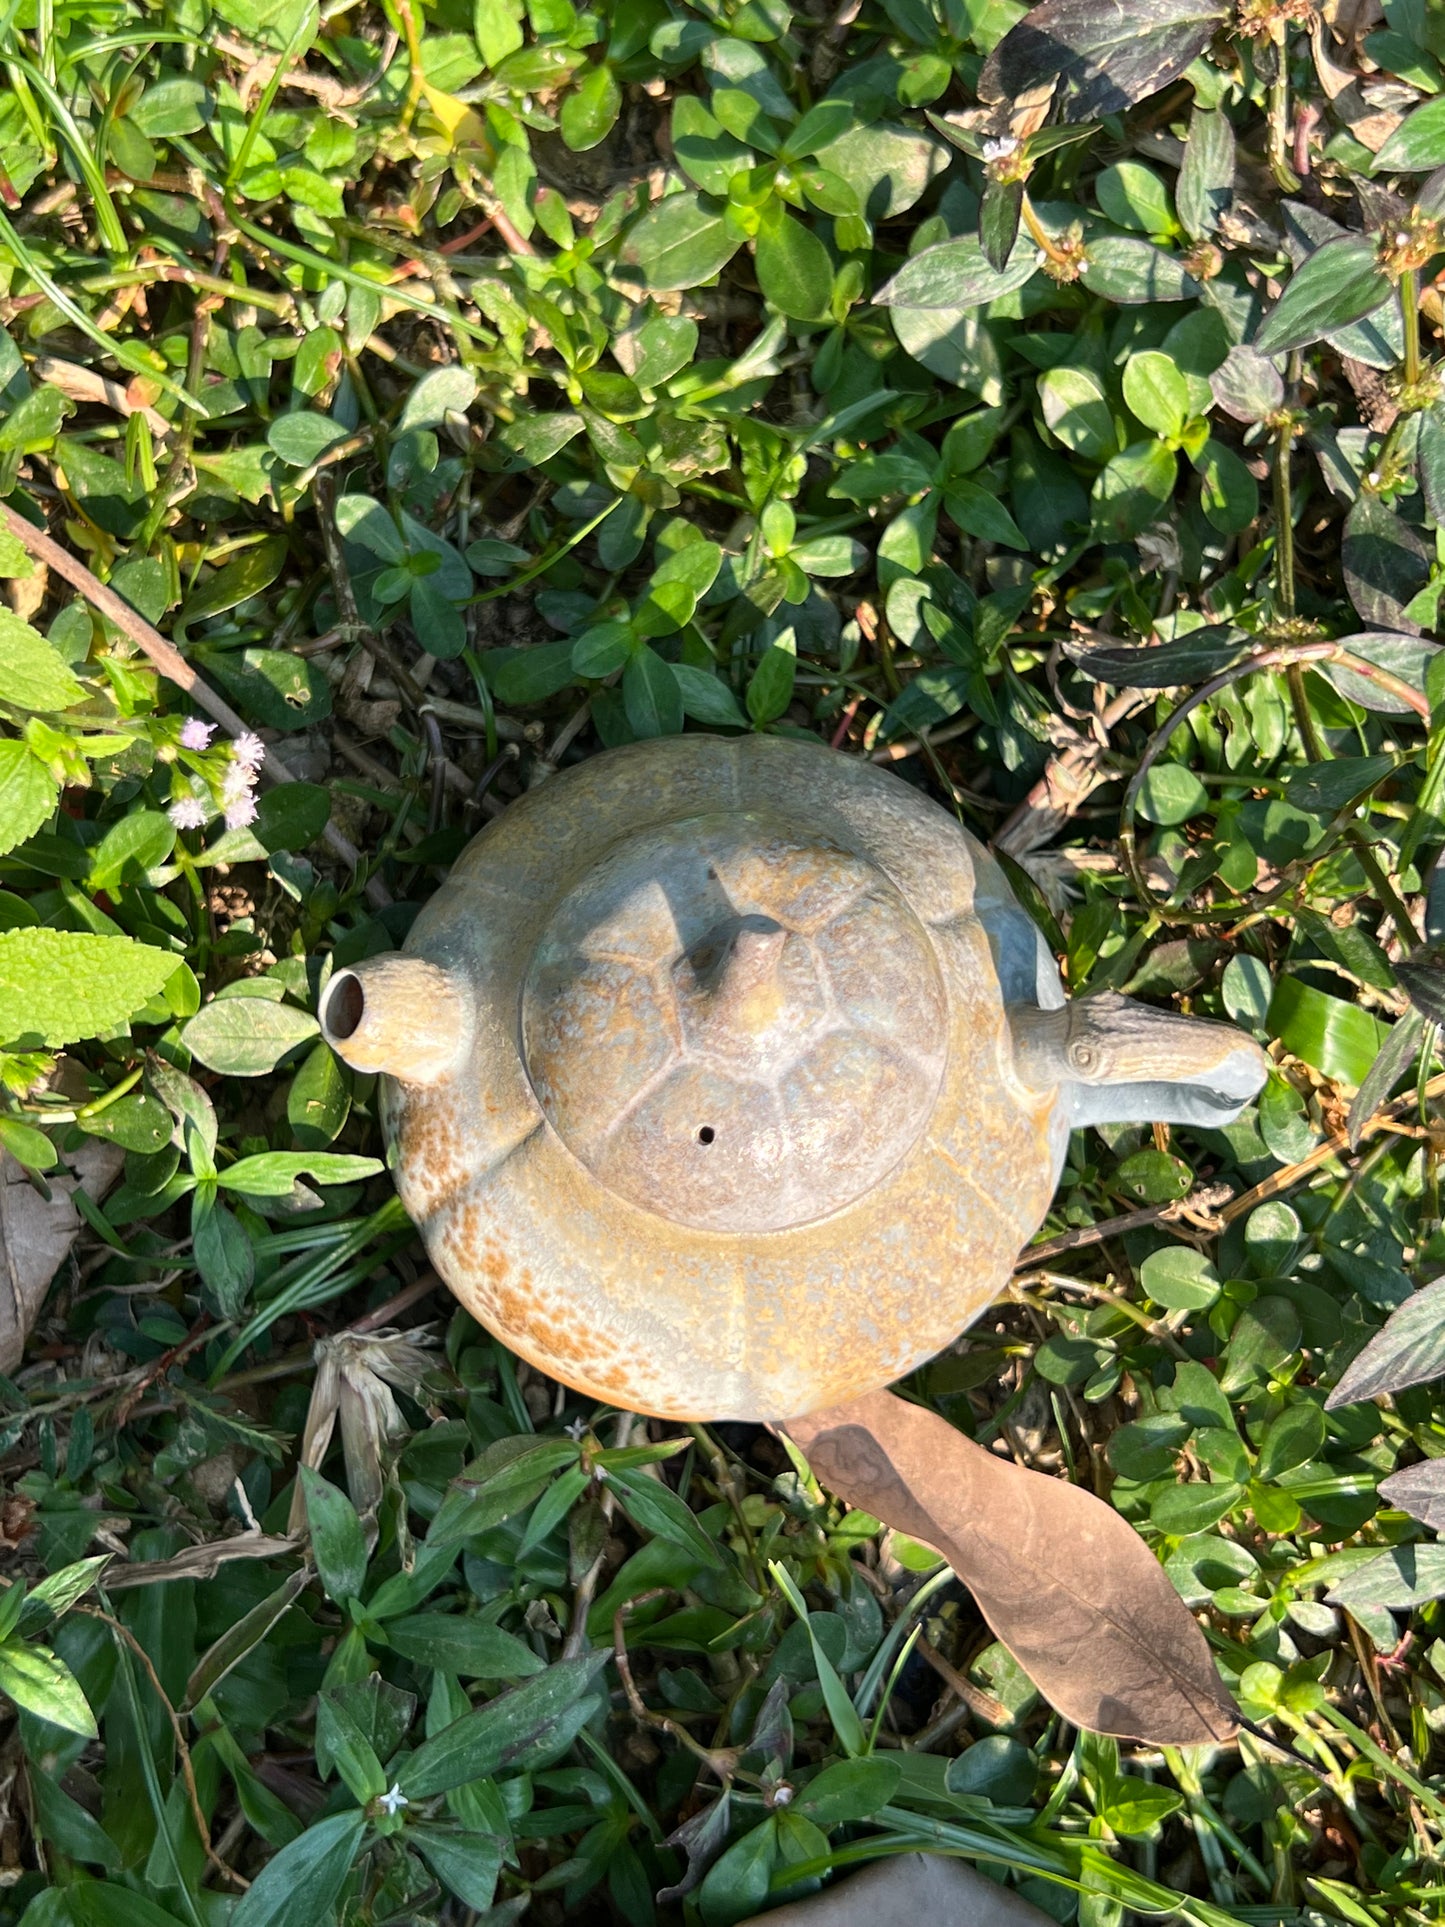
(733, 1125)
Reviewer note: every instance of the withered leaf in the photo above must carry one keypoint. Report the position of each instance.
(1103, 57)
(1063, 1581)
(903, 1891)
(36, 1235)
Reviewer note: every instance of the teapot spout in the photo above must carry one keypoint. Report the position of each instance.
(1120, 1062)
(397, 1015)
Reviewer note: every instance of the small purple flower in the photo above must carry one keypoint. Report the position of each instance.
(188, 813)
(195, 734)
(250, 750)
(237, 783)
(240, 813)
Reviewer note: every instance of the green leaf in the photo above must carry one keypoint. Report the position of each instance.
(1410, 1350)
(341, 1742)
(1206, 179)
(1179, 1278)
(304, 437)
(1405, 1577)
(841, 1710)
(28, 794)
(1339, 283)
(33, 674)
(301, 1885)
(657, 1509)
(140, 842)
(104, 1903)
(273, 1174)
(1101, 59)
(1294, 1438)
(1185, 1509)
(337, 1541)
(1171, 793)
(848, 1791)
(795, 271)
(1157, 393)
(956, 275)
(1132, 490)
(42, 1684)
(466, 1863)
(57, 986)
(1135, 1807)
(651, 693)
(706, 698)
(443, 392)
(463, 1645)
(1077, 411)
(1338, 1039)
(1323, 788)
(978, 511)
(1230, 494)
(528, 1721)
(247, 1036)
(681, 242)
(590, 111)
(770, 689)
(1417, 144)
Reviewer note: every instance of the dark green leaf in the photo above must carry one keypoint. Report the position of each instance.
(1340, 282)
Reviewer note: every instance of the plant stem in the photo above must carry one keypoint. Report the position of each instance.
(1284, 606)
(1410, 316)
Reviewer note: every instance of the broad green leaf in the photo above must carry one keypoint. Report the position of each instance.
(681, 242)
(304, 437)
(504, 1733)
(1102, 59)
(956, 275)
(300, 1885)
(140, 841)
(706, 698)
(1206, 179)
(466, 1863)
(1417, 144)
(848, 1791)
(445, 391)
(273, 1174)
(1179, 1278)
(1395, 1581)
(794, 268)
(464, 1645)
(1410, 1350)
(1075, 408)
(33, 674)
(1340, 282)
(343, 1745)
(28, 794)
(657, 1509)
(1126, 269)
(42, 1684)
(770, 689)
(1157, 393)
(978, 511)
(57, 985)
(337, 1541)
(1132, 490)
(652, 696)
(505, 1480)
(1338, 1039)
(247, 1036)
(590, 111)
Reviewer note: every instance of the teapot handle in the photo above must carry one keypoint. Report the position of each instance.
(1121, 1062)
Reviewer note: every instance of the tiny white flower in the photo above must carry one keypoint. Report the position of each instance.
(999, 150)
(1373, 478)
(1402, 239)
(239, 814)
(195, 734)
(249, 749)
(188, 813)
(237, 783)
(783, 1794)
(394, 1800)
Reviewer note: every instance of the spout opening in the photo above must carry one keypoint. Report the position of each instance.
(345, 1007)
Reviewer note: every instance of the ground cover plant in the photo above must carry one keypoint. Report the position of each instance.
(1043, 405)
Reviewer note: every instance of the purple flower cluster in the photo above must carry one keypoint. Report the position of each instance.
(232, 793)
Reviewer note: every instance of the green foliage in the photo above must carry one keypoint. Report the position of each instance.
(1048, 404)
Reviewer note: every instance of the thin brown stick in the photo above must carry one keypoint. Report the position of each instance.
(987, 1708)
(122, 1631)
(721, 1761)
(152, 644)
(1204, 1201)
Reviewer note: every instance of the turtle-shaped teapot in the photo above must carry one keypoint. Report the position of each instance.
(726, 1078)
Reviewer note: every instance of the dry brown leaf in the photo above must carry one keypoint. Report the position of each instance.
(905, 1891)
(200, 1562)
(35, 1236)
(1063, 1581)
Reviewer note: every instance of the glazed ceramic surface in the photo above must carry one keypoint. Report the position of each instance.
(726, 1078)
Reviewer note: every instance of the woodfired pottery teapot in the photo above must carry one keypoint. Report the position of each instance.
(725, 1078)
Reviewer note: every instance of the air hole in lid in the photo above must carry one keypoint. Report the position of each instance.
(706, 1134)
